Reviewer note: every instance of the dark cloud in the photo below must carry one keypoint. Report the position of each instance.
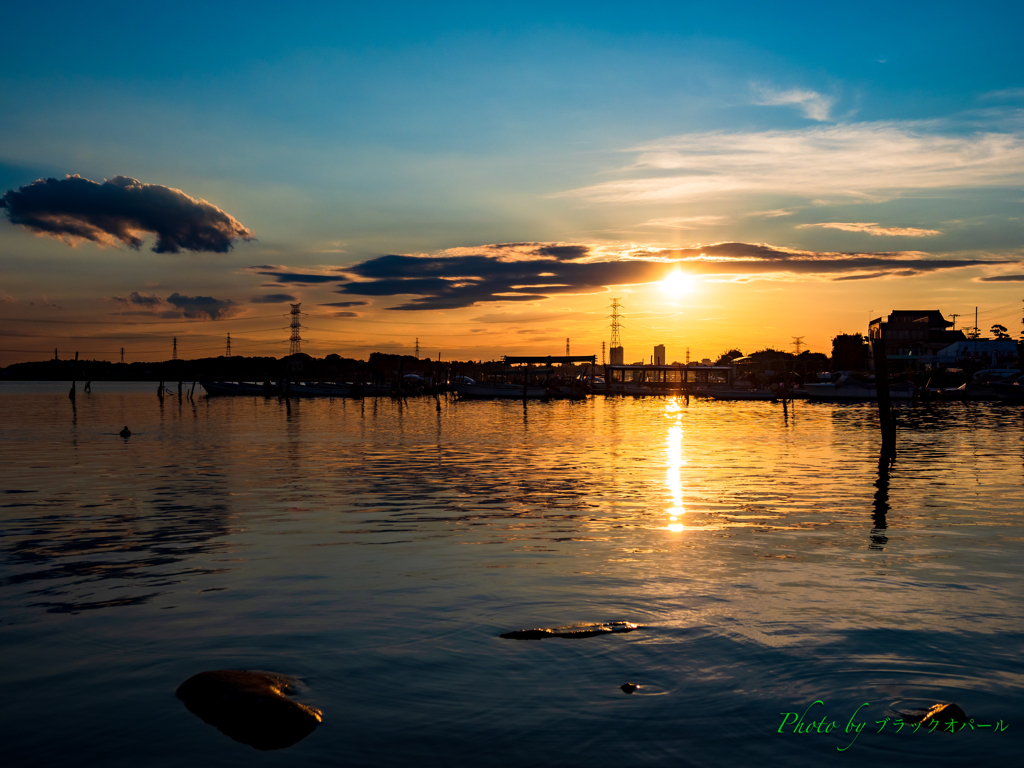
(463, 279)
(563, 252)
(865, 276)
(119, 211)
(293, 277)
(273, 298)
(1003, 279)
(201, 306)
(552, 250)
(345, 314)
(284, 275)
(346, 304)
(141, 300)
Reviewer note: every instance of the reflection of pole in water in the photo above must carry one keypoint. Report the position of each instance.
(881, 504)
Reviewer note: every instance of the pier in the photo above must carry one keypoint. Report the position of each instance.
(666, 378)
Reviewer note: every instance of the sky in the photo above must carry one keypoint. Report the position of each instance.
(487, 178)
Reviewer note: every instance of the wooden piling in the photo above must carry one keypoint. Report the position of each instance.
(886, 420)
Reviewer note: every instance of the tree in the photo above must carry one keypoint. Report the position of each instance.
(849, 352)
(999, 331)
(728, 357)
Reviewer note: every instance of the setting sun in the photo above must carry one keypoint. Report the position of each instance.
(677, 282)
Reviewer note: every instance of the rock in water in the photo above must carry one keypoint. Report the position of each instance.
(943, 713)
(572, 632)
(250, 707)
(629, 687)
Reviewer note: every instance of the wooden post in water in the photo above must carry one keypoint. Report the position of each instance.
(886, 421)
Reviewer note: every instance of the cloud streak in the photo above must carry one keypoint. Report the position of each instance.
(177, 306)
(120, 211)
(813, 105)
(516, 273)
(861, 161)
(874, 228)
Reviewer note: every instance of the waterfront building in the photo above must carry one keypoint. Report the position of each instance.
(914, 337)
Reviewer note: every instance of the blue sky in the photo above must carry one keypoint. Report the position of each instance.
(339, 134)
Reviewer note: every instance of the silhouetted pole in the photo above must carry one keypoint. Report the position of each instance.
(74, 376)
(886, 421)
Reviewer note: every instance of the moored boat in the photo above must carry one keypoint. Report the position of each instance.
(318, 389)
(216, 388)
(852, 389)
(1009, 392)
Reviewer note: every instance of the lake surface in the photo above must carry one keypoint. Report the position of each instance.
(376, 549)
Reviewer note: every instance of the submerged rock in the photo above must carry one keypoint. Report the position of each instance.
(573, 632)
(250, 707)
(629, 687)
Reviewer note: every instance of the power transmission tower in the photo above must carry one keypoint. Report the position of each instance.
(228, 352)
(566, 347)
(417, 347)
(687, 355)
(616, 338)
(602, 353)
(122, 355)
(174, 349)
(55, 354)
(797, 341)
(296, 326)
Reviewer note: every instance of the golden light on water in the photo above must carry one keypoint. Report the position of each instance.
(674, 464)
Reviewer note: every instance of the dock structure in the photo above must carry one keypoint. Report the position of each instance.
(523, 366)
(665, 378)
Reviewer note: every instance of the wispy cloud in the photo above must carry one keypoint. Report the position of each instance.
(331, 246)
(874, 228)
(1003, 279)
(273, 298)
(684, 222)
(814, 105)
(862, 161)
(1006, 94)
(772, 214)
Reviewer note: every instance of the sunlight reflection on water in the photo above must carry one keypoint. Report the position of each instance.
(377, 548)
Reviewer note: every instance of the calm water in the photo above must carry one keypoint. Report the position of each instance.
(376, 549)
